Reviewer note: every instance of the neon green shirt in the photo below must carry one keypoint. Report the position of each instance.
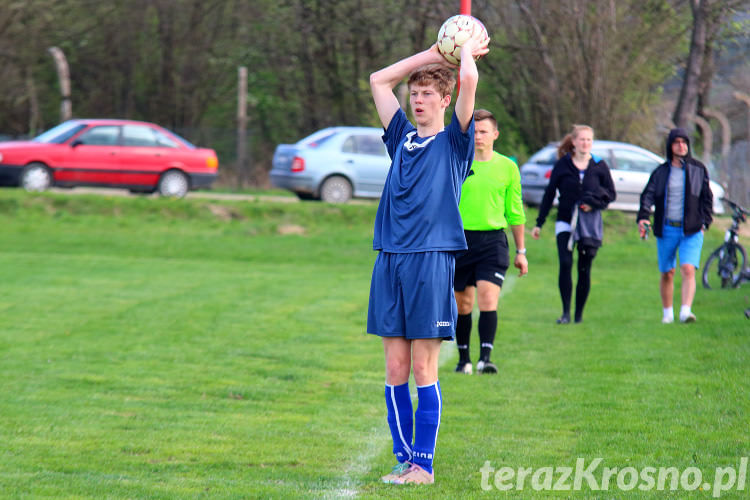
(491, 195)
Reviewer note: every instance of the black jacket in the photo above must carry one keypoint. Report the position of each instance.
(699, 199)
(596, 189)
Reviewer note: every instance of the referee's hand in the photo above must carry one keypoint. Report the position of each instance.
(521, 264)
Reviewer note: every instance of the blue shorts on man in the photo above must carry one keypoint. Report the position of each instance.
(411, 296)
(673, 240)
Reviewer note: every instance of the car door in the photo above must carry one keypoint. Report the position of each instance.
(143, 156)
(631, 173)
(368, 161)
(93, 157)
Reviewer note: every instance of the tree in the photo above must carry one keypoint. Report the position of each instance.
(598, 62)
(707, 18)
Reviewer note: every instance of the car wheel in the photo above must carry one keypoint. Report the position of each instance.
(336, 189)
(173, 183)
(36, 177)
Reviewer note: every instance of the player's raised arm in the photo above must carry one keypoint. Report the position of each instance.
(383, 82)
(469, 77)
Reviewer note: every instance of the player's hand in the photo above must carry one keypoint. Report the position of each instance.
(521, 264)
(642, 228)
(585, 207)
(535, 232)
(475, 48)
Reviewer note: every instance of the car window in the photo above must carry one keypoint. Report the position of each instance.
(60, 133)
(318, 138)
(163, 140)
(104, 135)
(364, 145)
(603, 153)
(633, 161)
(546, 156)
(138, 135)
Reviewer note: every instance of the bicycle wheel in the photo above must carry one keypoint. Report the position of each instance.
(723, 268)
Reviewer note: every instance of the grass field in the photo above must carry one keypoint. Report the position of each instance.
(213, 349)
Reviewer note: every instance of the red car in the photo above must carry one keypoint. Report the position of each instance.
(139, 156)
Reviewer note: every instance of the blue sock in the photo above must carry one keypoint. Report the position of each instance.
(427, 423)
(400, 419)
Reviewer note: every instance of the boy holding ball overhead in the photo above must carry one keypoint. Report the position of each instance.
(418, 231)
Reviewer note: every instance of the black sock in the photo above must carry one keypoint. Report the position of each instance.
(585, 259)
(487, 327)
(463, 336)
(564, 277)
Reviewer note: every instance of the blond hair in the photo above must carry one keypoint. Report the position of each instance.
(566, 144)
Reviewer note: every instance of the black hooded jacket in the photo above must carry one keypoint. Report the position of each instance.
(698, 196)
(596, 189)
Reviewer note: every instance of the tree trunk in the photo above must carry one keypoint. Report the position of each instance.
(688, 100)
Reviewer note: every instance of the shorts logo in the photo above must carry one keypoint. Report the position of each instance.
(499, 276)
(442, 323)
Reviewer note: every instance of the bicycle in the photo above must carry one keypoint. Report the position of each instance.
(726, 266)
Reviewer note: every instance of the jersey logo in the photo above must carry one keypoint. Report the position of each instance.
(411, 146)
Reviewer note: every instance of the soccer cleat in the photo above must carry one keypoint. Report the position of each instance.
(667, 319)
(464, 368)
(689, 318)
(415, 475)
(398, 470)
(486, 367)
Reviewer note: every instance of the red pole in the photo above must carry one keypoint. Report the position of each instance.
(465, 10)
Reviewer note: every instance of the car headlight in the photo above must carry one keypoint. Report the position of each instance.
(212, 162)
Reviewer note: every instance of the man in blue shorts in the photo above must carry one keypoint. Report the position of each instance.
(417, 232)
(680, 193)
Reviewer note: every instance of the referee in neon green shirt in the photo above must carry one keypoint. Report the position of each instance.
(490, 202)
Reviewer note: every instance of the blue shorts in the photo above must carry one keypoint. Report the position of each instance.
(411, 296)
(673, 240)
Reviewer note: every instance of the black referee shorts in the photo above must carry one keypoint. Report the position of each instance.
(486, 259)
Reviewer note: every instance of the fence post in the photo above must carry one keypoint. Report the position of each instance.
(242, 161)
(63, 74)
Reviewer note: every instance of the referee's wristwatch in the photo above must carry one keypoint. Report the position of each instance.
(521, 251)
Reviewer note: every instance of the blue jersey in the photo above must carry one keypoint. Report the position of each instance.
(418, 210)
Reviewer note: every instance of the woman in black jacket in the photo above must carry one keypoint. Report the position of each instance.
(585, 187)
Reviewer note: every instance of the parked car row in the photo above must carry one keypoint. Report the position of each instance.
(139, 156)
(338, 163)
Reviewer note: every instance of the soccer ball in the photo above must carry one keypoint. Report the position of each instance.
(455, 31)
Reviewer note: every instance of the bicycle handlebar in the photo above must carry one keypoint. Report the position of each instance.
(736, 207)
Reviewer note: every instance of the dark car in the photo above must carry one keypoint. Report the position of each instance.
(333, 164)
(139, 156)
(630, 166)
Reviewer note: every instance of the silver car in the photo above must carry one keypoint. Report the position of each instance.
(630, 166)
(333, 164)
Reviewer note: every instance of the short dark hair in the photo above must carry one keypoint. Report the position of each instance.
(483, 114)
(434, 74)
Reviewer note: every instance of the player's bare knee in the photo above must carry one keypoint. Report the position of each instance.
(397, 371)
(687, 271)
